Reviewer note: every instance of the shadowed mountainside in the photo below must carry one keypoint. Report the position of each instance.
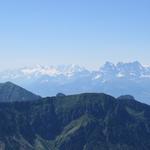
(76, 122)
(10, 92)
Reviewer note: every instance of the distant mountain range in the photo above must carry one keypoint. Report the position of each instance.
(77, 122)
(116, 79)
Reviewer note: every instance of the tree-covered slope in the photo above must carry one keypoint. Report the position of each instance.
(76, 122)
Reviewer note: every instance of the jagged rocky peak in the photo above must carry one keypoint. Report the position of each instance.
(134, 63)
(131, 66)
(108, 65)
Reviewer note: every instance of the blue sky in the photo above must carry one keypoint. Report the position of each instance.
(84, 32)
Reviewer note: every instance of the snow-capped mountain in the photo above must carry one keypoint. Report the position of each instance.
(38, 70)
(116, 79)
(133, 70)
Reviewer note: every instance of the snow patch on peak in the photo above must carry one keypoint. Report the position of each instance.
(40, 71)
(97, 77)
(67, 70)
(120, 75)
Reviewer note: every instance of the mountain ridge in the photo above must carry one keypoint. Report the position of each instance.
(87, 121)
(10, 92)
(126, 78)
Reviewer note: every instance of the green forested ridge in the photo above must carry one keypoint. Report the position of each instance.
(78, 122)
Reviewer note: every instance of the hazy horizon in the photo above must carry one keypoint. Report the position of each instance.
(69, 65)
(87, 33)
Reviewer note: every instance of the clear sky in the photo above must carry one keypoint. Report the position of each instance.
(84, 32)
